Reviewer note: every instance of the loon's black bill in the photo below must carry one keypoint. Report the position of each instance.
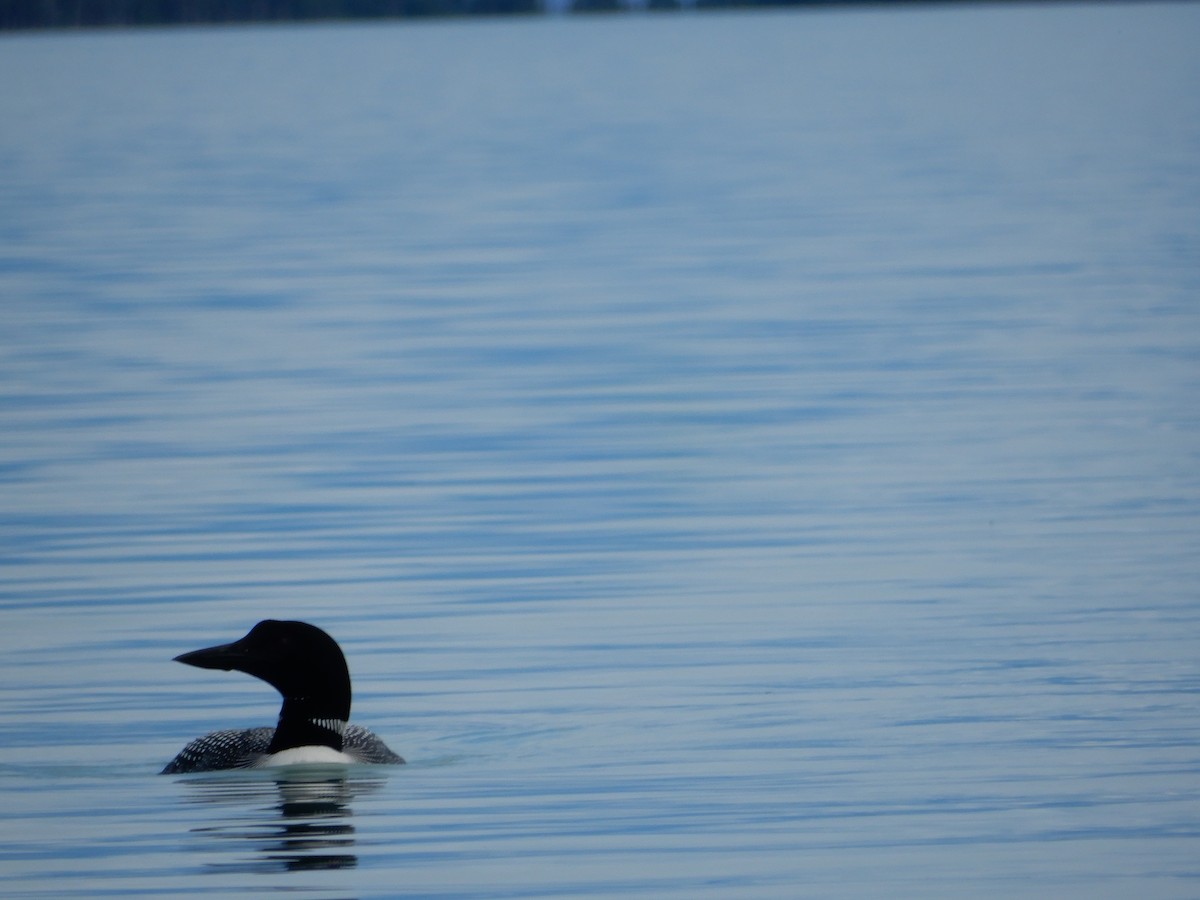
(224, 656)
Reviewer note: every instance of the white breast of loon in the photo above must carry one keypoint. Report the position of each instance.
(304, 756)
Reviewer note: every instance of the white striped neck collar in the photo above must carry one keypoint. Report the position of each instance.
(337, 726)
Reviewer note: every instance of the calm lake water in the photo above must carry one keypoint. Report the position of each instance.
(742, 455)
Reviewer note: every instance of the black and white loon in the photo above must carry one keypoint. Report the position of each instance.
(306, 665)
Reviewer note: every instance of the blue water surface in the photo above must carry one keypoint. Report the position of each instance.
(741, 455)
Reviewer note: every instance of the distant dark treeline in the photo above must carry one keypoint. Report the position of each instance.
(16, 14)
(94, 13)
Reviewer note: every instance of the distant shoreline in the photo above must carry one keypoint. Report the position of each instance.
(29, 15)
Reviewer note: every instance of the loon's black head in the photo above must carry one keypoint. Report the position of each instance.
(299, 660)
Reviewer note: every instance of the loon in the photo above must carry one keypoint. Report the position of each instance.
(307, 667)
